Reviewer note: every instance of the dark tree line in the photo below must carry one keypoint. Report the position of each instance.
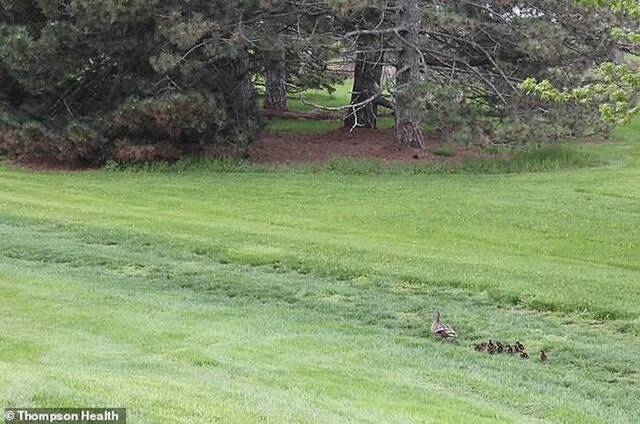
(86, 80)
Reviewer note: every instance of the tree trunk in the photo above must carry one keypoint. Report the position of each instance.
(367, 76)
(240, 98)
(408, 120)
(276, 82)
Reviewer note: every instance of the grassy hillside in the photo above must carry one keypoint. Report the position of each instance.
(289, 295)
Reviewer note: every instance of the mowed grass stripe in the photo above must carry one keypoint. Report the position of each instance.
(535, 238)
(148, 325)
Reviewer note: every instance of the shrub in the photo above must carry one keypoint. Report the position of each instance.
(75, 144)
(179, 120)
(82, 144)
(155, 129)
(24, 142)
(460, 118)
(127, 152)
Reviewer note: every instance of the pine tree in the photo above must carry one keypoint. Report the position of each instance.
(470, 64)
(81, 62)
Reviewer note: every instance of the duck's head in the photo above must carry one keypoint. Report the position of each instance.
(436, 316)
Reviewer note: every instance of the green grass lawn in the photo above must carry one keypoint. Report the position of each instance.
(304, 296)
(338, 98)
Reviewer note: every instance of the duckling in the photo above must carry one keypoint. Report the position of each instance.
(524, 355)
(441, 329)
(519, 346)
(543, 356)
(479, 347)
(499, 347)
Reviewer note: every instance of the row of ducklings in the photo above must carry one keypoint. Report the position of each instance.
(444, 331)
(496, 347)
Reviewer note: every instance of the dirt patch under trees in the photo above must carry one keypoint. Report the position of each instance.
(277, 147)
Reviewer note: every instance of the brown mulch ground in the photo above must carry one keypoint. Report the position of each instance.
(272, 147)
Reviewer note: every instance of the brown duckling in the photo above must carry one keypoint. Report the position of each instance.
(479, 347)
(543, 356)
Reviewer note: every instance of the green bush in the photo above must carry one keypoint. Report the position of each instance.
(154, 129)
(178, 119)
(75, 144)
(460, 118)
(82, 144)
(29, 141)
